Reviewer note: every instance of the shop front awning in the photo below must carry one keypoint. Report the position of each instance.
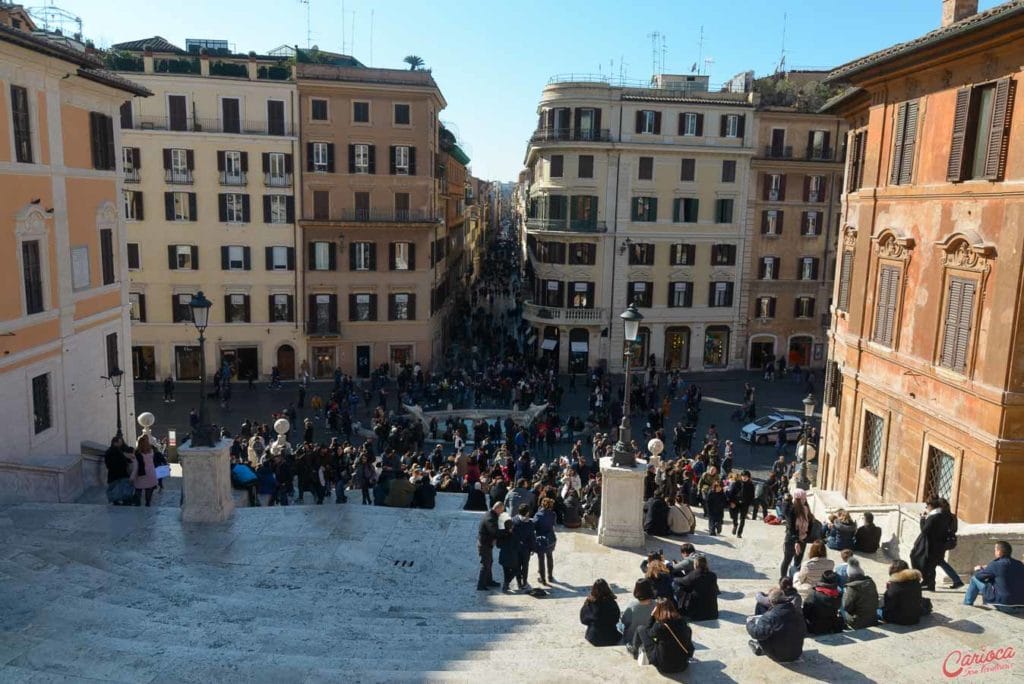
(579, 346)
(548, 344)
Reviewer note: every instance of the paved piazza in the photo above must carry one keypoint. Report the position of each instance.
(346, 593)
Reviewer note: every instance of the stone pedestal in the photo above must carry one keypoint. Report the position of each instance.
(622, 505)
(206, 483)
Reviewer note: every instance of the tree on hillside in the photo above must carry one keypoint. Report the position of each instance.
(414, 62)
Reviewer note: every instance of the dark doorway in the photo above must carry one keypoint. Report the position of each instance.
(286, 362)
(363, 361)
(177, 113)
(762, 351)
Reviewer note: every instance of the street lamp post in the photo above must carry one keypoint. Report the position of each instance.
(202, 434)
(115, 378)
(622, 453)
(806, 451)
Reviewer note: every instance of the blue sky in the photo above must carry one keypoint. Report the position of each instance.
(491, 59)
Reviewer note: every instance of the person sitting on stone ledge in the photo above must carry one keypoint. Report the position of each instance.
(779, 633)
(698, 592)
(600, 613)
(401, 492)
(425, 495)
(860, 597)
(475, 498)
(680, 518)
(666, 640)
(840, 531)
(812, 569)
(868, 536)
(821, 609)
(1000, 583)
(656, 515)
(762, 604)
(901, 604)
(637, 612)
(657, 572)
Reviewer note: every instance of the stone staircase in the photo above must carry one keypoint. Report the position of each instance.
(366, 594)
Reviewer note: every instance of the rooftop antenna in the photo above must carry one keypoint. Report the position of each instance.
(352, 34)
(664, 51)
(708, 61)
(700, 51)
(782, 56)
(343, 28)
(654, 37)
(371, 38)
(309, 33)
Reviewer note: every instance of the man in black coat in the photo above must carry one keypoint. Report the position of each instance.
(486, 536)
(656, 515)
(744, 498)
(779, 633)
(930, 546)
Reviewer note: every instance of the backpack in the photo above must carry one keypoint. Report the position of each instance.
(950, 543)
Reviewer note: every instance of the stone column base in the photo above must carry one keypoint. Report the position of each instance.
(206, 483)
(622, 505)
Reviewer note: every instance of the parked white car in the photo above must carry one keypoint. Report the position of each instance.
(764, 430)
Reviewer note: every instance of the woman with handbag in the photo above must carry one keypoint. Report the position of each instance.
(667, 640)
(144, 470)
(544, 527)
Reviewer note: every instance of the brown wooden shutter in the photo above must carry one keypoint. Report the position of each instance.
(782, 188)
(999, 133)
(955, 169)
(845, 268)
(639, 121)
(963, 335)
(657, 123)
(909, 142)
(954, 303)
(897, 144)
(700, 125)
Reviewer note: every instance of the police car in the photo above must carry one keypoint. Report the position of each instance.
(765, 430)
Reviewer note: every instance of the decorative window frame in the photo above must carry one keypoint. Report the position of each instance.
(30, 224)
(957, 452)
(875, 481)
(964, 255)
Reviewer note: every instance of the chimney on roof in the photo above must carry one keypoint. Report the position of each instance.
(956, 10)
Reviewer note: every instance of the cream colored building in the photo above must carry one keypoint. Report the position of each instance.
(793, 218)
(638, 194)
(63, 318)
(209, 177)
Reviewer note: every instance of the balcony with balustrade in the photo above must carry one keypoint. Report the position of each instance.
(567, 225)
(569, 316)
(546, 134)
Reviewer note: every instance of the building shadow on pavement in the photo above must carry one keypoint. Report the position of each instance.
(813, 664)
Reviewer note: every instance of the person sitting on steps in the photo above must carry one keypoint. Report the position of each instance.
(779, 633)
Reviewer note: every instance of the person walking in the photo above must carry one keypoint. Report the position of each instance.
(798, 521)
(544, 528)
(930, 545)
(144, 470)
(487, 535)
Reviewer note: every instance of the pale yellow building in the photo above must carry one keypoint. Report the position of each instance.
(63, 318)
(209, 196)
(638, 195)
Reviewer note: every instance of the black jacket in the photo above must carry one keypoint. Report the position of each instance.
(867, 538)
(746, 495)
(488, 532)
(901, 604)
(780, 632)
(118, 464)
(930, 545)
(601, 619)
(699, 595)
(656, 516)
(425, 495)
(821, 610)
(673, 645)
(715, 502)
(860, 601)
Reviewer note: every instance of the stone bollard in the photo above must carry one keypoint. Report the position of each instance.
(206, 483)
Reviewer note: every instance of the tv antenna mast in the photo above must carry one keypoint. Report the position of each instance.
(782, 56)
(53, 19)
(309, 33)
(658, 50)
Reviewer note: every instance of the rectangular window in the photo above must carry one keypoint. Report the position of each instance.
(648, 121)
(362, 256)
(765, 307)
(402, 116)
(403, 256)
(731, 126)
(113, 362)
(729, 171)
(362, 205)
(321, 205)
(769, 268)
(177, 167)
(131, 163)
(723, 255)
(363, 308)
(402, 160)
(688, 123)
(845, 274)
(585, 166)
(685, 209)
(280, 308)
(32, 276)
(940, 474)
(134, 260)
(720, 294)
(688, 170)
(645, 209)
(318, 109)
(811, 223)
(278, 208)
(885, 305)
(177, 113)
(646, 168)
(808, 268)
(231, 116)
(277, 169)
(555, 166)
(234, 204)
(640, 293)
(771, 222)
(815, 188)
(321, 157)
(275, 117)
(236, 258)
(581, 295)
(181, 204)
(137, 307)
(361, 112)
(855, 175)
(641, 254)
(680, 294)
(956, 333)
(236, 308)
(232, 172)
(278, 258)
(402, 206)
(101, 137)
(981, 128)
(874, 438)
(582, 254)
(362, 158)
(723, 210)
(42, 411)
(904, 141)
(21, 123)
(321, 256)
(804, 307)
(183, 257)
(399, 306)
(818, 145)
(681, 254)
(107, 255)
(181, 311)
(773, 187)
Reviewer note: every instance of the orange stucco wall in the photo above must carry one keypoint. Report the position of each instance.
(75, 129)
